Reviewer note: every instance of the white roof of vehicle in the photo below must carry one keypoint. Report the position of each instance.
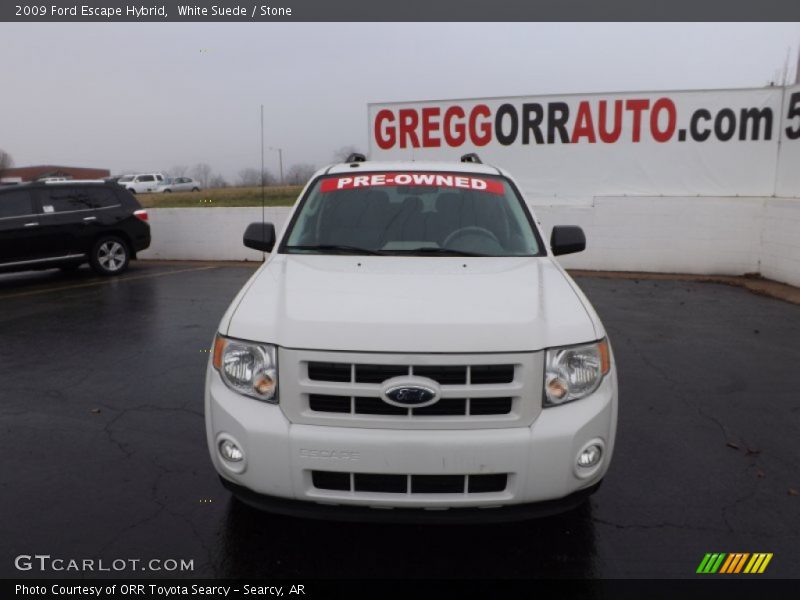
(68, 181)
(427, 167)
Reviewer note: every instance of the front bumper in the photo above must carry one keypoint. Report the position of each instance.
(539, 460)
(362, 514)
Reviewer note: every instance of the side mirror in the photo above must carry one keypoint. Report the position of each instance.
(567, 239)
(260, 236)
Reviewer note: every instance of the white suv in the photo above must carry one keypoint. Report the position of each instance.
(141, 183)
(178, 184)
(411, 343)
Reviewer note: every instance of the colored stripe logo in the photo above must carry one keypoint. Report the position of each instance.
(734, 563)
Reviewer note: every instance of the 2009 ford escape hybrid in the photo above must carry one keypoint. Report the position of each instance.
(411, 344)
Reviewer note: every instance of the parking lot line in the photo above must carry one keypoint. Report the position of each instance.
(103, 282)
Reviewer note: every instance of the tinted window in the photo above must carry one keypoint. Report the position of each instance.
(145, 178)
(15, 204)
(102, 198)
(413, 213)
(69, 199)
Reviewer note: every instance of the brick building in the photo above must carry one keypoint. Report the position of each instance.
(40, 171)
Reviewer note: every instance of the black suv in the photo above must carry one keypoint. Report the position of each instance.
(66, 224)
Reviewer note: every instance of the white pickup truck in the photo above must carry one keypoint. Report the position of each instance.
(412, 344)
(142, 183)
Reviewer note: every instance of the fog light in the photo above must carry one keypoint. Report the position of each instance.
(590, 456)
(230, 451)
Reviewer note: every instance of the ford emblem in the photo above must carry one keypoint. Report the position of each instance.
(410, 394)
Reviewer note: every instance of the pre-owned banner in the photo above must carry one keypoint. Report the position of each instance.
(709, 143)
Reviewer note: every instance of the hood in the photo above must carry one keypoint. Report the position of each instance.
(410, 304)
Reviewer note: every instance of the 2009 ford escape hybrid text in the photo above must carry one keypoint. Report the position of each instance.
(411, 344)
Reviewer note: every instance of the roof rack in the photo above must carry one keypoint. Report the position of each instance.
(472, 157)
(69, 181)
(356, 157)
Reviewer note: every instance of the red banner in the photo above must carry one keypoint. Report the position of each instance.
(447, 180)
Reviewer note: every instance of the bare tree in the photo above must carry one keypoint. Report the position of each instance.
(299, 174)
(217, 181)
(343, 153)
(6, 161)
(179, 170)
(251, 178)
(202, 172)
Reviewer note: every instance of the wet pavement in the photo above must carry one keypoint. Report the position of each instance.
(104, 454)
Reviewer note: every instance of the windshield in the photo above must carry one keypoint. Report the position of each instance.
(413, 213)
(126, 178)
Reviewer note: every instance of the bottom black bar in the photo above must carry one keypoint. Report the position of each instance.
(319, 589)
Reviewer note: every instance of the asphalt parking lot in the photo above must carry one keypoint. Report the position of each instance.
(104, 454)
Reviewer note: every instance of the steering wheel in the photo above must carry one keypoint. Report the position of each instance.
(469, 230)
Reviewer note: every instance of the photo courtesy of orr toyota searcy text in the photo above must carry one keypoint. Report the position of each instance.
(716, 142)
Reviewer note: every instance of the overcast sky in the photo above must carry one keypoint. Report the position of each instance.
(143, 97)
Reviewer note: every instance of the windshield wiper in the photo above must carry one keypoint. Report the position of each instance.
(441, 251)
(336, 248)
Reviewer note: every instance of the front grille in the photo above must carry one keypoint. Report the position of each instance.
(485, 374)
(445, 407)
(376, 406)
(480, 484)
(331, 480)
(414, 484)
(437, 484)
(442, 374)
(389, 484)
(344, 388)
(378, 373)
(325, 371)
(490, 406)
(325, 403)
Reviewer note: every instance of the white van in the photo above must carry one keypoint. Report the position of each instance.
(412, 344)
(141, 183)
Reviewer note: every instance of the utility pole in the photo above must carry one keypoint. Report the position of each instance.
(785, 78)
(262, 164)
(797, 74)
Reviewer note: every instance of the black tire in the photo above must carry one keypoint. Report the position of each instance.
(167, 191)
(131, 190)
(195, 189)
(110, 255)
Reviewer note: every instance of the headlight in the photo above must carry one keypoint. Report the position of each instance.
(248, 368)
(574, 372)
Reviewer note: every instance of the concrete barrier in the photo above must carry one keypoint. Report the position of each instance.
(206, 233)
(665, 234)
(699, 235)
(780, 240)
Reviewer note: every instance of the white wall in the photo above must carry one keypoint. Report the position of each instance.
(670, 235)
(787, 181)
(206, 233)
(701, 235)
(780, 248)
